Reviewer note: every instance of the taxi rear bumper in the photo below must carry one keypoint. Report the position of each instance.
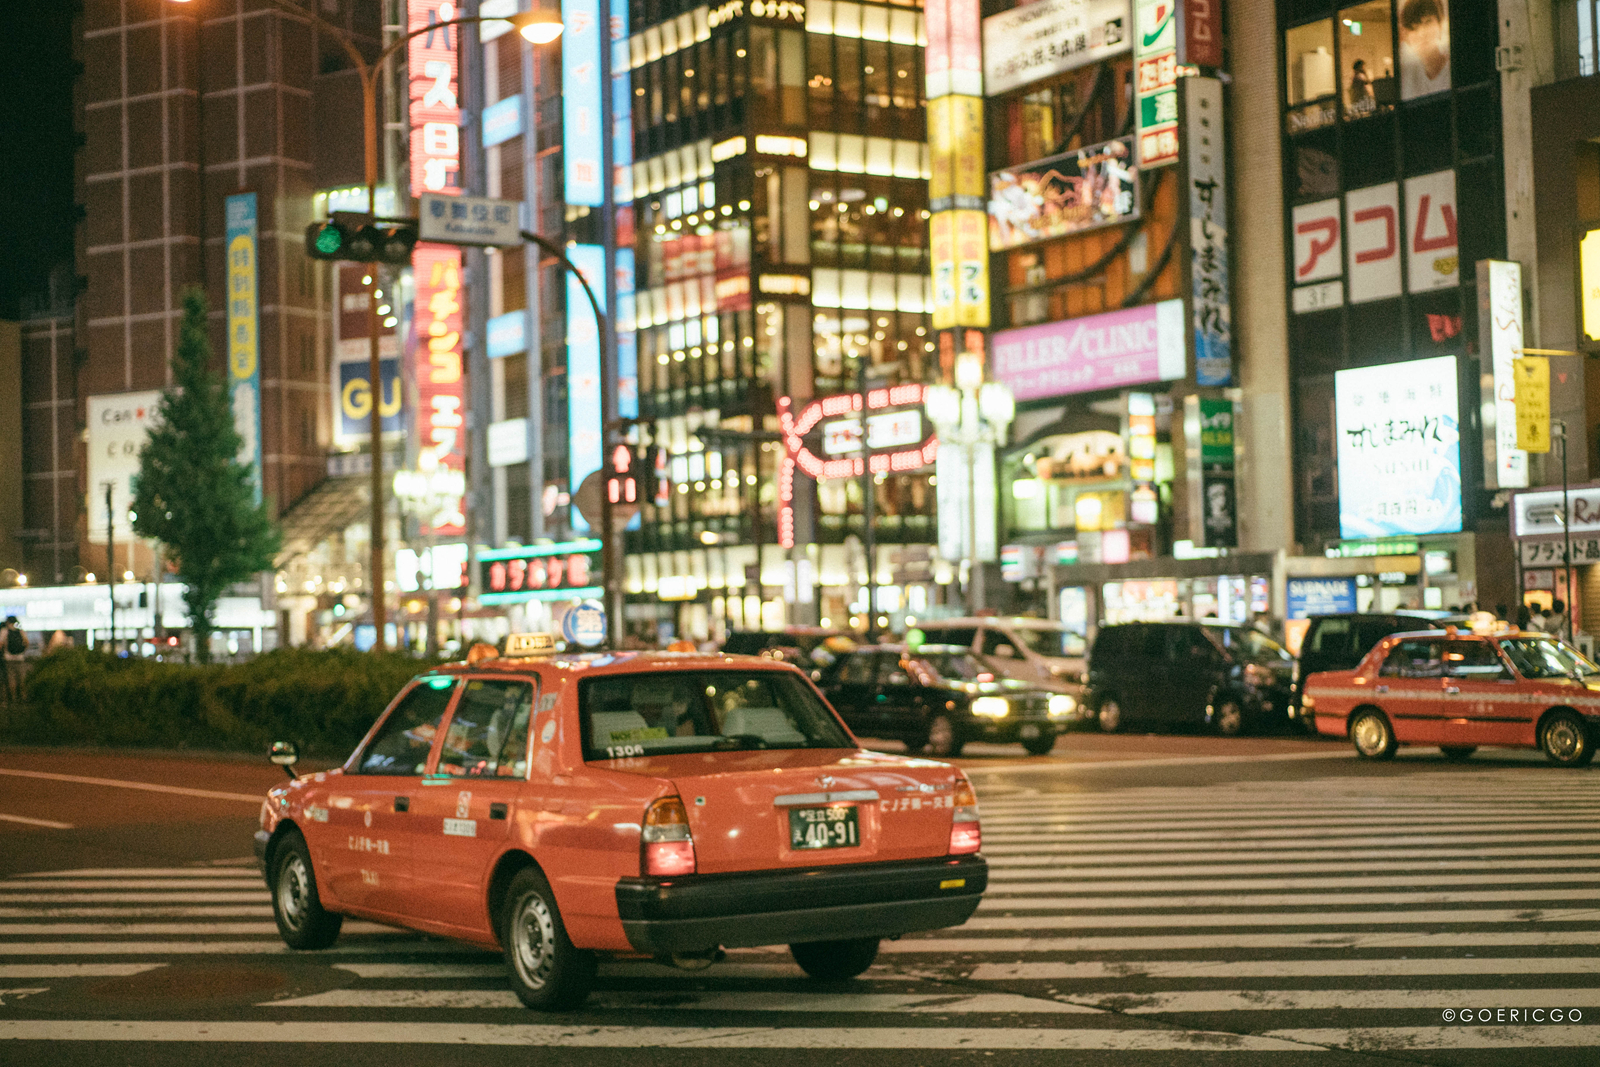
(746, 909)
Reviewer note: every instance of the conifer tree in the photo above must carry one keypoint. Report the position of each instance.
(193, 494)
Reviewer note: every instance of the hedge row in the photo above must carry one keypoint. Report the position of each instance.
(323, 701)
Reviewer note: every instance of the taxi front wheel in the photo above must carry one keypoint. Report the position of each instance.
(1372, 735)
(835, 959)
(547, 971)
(1565, 740)
(302, 922)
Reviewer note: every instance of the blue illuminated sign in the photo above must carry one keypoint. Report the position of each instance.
(583, 367)
(580, 102)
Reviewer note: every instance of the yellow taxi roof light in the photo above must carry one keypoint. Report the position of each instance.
(530, 644)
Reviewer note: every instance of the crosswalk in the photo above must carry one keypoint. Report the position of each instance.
(1447, 910)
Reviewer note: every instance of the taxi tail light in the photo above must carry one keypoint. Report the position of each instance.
(965, 834)
(666, 848)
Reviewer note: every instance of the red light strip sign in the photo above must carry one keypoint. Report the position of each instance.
(877, 404)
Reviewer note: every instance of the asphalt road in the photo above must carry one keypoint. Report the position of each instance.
(1154, 901)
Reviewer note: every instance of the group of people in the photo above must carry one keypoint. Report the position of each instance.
(1553, 621)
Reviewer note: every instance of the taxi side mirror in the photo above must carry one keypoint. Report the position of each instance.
(285, 755)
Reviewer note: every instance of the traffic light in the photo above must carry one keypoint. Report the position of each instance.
(622, 477)
(656, 486)
(360, 238)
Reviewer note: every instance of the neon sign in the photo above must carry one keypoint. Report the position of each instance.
(879, 408)
(562, 571)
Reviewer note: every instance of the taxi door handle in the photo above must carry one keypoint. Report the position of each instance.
(1382, 689)
(1452, 689)
(402, 803)
(497, 811)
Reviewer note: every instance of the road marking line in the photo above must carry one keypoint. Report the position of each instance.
(209, 871)
(149, 787)
(1424, 857)
(393, 942)
(1337, 999)
(219, 897)
(148, 929)
(49, 824)
(1020, 871)
(915, 1003)
(12, 971)
(1136, 844)
(240, 884)
(1054, 767)
(147, 912)
(1437, 917)
(424, 970)
(1411, 1038)
(18, 994)
(999, 887)
(993, 902)
(1329, 939)
(400, 1033)
(1274, 828)
(1329, 968)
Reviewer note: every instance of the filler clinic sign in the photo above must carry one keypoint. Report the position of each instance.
(1132, 346)
(244, 332)
(1399, 448)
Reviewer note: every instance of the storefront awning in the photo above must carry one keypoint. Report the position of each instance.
(328, 510)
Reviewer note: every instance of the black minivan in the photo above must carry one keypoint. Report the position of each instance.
(1229, 678)
(1338, 643)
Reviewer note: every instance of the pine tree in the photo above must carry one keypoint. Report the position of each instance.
(193, 495)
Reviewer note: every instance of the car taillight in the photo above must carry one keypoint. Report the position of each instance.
(965, 835)
(666, 847)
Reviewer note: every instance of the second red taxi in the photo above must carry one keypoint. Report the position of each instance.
(667, 805)
(1460, 690)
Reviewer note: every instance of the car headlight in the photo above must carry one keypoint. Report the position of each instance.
(991, 707)
(1062, 705)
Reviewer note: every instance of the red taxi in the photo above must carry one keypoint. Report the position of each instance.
(657, 804)
(1462, 690)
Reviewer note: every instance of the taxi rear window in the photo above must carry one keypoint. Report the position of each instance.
(702, 711)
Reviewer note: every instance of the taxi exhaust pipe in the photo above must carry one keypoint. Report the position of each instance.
(693, 961)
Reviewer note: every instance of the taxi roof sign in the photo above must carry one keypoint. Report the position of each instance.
(529, 644)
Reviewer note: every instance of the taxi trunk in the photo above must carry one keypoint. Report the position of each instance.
(802, 808)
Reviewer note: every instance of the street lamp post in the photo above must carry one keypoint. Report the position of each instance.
(970, 414)
(430, 488)
(537, 27)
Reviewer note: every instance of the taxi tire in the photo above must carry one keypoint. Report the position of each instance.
(302, 922)
(1041, 745)
(1564, 739)
(1375, 741)
(835, 960)
(562, 983)
(943, 740)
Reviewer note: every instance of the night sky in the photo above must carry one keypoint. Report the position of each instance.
(37, 214)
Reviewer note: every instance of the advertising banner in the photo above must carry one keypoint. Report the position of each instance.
(1500, 338)
(1399, 448)
(1202, 33)
(582, 153)
(583, 368)
(437, 369)
(1424, 48)
(1431, 253)
(433, 60)
(1533, 403)
(1210, 294)
(566, 570)
(1538, 513)
(1318, 241)
(118, 428)
(1320, 596)
(355, 400)
(1219, 513)
(1049, 37)
(1075, 191)
(942, 254)
(244, 332)
(972, 268)
(1155, 53)
(1131, 346)
(1373, 222)
(502, 120)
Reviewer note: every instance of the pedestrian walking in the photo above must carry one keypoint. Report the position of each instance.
(14, 652)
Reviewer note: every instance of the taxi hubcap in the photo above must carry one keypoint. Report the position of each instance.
(293, 891)
(535, 934)
(1370, 735)
(1562, 740)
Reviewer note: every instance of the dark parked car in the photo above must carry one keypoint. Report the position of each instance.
(811, 648)
(1229, 678)
(940, 697)
(1338, 643)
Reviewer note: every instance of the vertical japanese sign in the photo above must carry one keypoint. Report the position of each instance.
(958, 188)
(1505, 463)
(580, 102)
(1202, 32)
(1219, 519)
(433, 61)
(441, 400)
(1532, 405)
(583, 368)
(1432, 255)
(244, 332)
(1210, 297)
(1155, 59)
(622, 195)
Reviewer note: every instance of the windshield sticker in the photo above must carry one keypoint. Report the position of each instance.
(641, 733)
(463, 804)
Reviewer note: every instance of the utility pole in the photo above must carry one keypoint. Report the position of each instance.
(111, 564)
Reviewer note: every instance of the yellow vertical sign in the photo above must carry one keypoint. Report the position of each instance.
(1532, 375)
(1589, 283)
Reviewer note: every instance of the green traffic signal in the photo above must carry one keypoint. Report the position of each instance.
(361, 240)
(329, 239)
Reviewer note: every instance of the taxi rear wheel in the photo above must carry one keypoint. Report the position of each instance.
(1372, 735)
(547, 971)
(1565, 740)
(302, 922)
(1041, 745)
(831, 960)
